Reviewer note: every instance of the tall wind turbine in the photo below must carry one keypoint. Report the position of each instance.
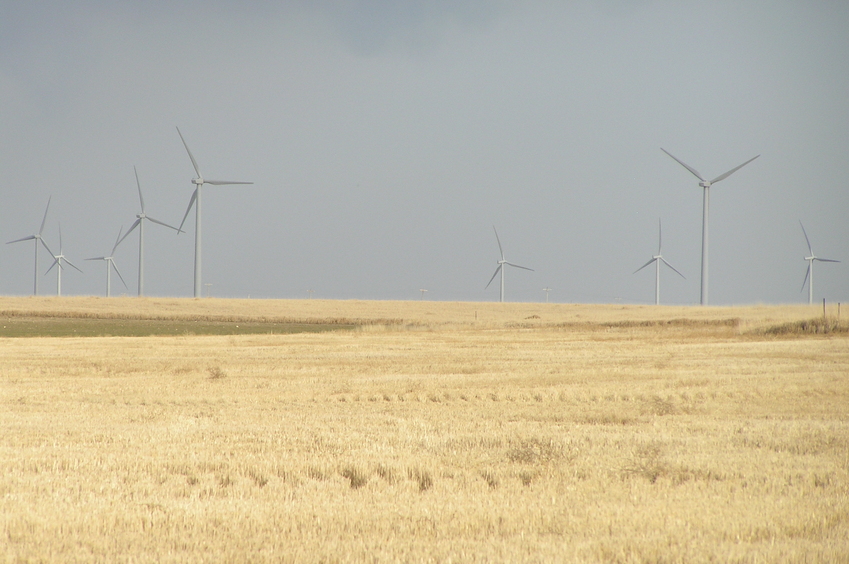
(657, 259)
(706, 184)
(38, 239)
(199, 181)
(140, 224)
(110, 264)
(59, 259)
(501, 264)
(809, 275)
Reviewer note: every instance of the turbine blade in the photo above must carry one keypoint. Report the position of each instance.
(55, 262)
(117, 240)
(672, 267)
(685, 165)
(130, 230)
(188, 209)
(499, 242)
(194, 162)
(24, 239)
(118, 272)
(493, 277)
(72, 264)
(138, 184)
(60, 239)
(733, 170)
(43, 221)
(46, 247)
(645, 265)
(825, 260)
(96, 258)
(806, 238)
(223, 182)
(659, 238)
(807, 273)
(517, 266)
(165, 224)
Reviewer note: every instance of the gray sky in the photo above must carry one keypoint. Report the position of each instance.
(386, 138)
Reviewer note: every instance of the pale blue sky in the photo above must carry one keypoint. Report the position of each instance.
(385, 139)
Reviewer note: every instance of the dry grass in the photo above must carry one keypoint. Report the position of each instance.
(590, 434)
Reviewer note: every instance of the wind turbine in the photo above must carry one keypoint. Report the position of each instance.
(37, 238)
(657, 259)
(706, 184)
(809, 275)
(501, 264)
(196, 201)
(110, 264)
(140, 224)
(58, 259)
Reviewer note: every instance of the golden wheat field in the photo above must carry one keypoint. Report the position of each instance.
(422, 432)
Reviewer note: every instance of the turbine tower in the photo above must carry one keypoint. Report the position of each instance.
(501, 264)
(38, 239)
(809, 275)
(141, 217)
(110, 264)
(199, 181)
(59, 259)
(706, 184)
(657, 259)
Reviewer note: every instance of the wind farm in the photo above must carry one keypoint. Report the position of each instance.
(322, 372)
(59, 260)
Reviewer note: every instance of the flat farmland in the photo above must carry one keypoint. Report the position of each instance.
(185, 430)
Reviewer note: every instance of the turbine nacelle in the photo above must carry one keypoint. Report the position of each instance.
(198, 181)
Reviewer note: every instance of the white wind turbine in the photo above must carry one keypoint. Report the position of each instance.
(706, 184)
(110, 264)
(38, 239)
(657, 259)
(59, 259)
(140, 224)
(809, 275)
(501, 264)
(196, 201)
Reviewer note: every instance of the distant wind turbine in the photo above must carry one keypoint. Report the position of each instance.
(141, 217)
(705, 211)
(657, 259)
(59, 259)
(809, 275)
(110, 264)
(199, 181)
(38, 239)
(501, 264)
(546, 290)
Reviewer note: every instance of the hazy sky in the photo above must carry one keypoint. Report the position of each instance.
(385, 139)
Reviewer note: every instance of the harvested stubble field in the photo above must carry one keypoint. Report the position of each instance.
(421, 431)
